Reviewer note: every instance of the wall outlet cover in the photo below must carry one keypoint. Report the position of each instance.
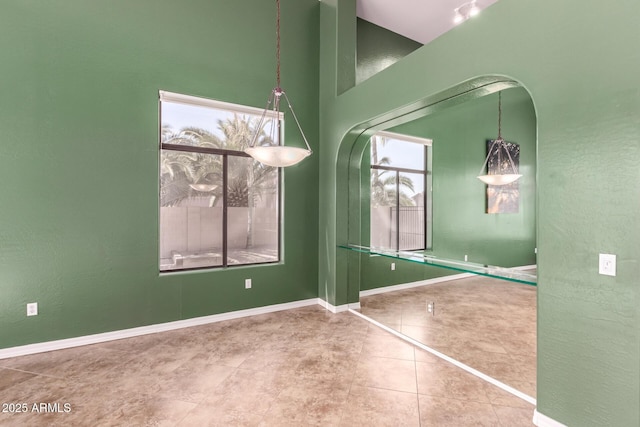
(607, 264)
(32, 309)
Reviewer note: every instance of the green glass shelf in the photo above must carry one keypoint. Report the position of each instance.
(510, 274)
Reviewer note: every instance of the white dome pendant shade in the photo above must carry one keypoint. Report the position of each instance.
(499, 144)
(277, 155)
(502, 179)
(204, 188)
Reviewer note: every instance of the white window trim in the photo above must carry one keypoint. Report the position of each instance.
(210, 103)
(405, 138)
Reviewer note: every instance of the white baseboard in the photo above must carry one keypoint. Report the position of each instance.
(340, 308)
(402, 286)
(541, 420)
(179, 324)
(525, 267)
(332, 308)
(152, 329)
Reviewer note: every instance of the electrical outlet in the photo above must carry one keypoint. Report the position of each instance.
(32, 309)
(247, 283)
(431, 308)
(393, 266)
(607, 264)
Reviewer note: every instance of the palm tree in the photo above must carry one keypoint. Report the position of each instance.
(384, 189)
(249, 180)
(383, 182)
(185, 175)
(246, 184)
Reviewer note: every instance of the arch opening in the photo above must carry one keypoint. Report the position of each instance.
(353, 220)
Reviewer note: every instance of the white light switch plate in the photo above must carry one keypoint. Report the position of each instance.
(607, 264)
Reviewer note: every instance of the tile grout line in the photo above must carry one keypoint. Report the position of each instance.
(37, 374)
(451, 360)
(353, 378)
(493, 409)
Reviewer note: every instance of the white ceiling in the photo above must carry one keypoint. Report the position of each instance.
(419, 20)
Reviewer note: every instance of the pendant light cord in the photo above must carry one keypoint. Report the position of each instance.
(500, 115)
(499, 143)
(276, 154)
(278, 45)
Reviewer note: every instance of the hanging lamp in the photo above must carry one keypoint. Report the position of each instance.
(277, 155)
(497, 147)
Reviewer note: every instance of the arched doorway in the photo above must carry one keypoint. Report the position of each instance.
(352, 216)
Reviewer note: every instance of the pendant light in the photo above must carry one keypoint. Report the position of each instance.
(498, 145)
(277, 155)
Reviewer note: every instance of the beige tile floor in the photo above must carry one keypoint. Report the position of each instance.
(302, 367)
(485, 323)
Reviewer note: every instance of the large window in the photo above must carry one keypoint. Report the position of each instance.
(400, 192)
(218, 206)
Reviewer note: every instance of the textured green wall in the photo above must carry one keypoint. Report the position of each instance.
(376, 272)
(79, 118)
(377, 48)
(460, 224)
(580, 65)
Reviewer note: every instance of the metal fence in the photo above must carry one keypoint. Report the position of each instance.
(403, 229)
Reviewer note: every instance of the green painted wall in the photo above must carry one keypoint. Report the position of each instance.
(460, 224)
(79, 118)
(377, 48)
(78, 218)
(376, 272)
(580, 65)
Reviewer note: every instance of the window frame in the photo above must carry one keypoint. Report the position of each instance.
(171, 97)
(427, 187)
